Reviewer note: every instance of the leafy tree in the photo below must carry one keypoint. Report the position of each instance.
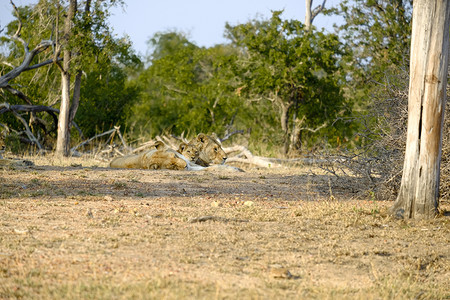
(185, 87)
(379, 31)
(94, 55)
(106, 98)
(298, 71)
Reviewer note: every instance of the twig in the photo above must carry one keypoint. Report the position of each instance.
(214, 218)
(92, 138)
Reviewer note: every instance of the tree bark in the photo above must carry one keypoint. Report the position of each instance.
(63, 138)
(310, 14)
(419, 191)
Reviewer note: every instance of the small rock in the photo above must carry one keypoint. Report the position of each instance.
(280, 272)
(249, 203)
(89, 214)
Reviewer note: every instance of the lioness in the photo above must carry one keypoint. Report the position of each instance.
(202, 153)
(159, 158)
(210, 150)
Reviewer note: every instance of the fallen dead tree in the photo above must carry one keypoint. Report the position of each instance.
(240, 154)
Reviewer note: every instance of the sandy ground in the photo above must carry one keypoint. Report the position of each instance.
(77, 229)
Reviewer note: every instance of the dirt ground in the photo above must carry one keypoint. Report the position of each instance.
(79, 230)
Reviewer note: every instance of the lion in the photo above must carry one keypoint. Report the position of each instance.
(210, 150)
(202, 153)
(159, 158)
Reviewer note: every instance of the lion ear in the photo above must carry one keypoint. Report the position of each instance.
(202, 137)
(182, 147)
(159, 145)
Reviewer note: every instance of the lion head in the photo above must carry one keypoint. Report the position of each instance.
(210, 150)
(190, 151)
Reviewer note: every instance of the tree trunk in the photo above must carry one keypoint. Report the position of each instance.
(63, 138)
(284, 119)
(310, 13)
(419, 191)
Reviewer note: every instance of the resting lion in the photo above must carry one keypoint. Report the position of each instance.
(202, 153)
(159, 158)
(210, 150)
(211, 157)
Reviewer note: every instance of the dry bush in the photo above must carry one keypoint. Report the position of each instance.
(378, 161)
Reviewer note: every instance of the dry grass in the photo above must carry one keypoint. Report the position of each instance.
(79, 232)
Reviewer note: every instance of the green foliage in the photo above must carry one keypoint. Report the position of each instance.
(274, 79)
(272, 67)
(379, 31)
(297, 70)
(185, 88)
(104, 60)
(106, 97)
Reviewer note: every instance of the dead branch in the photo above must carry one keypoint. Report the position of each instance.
(117, 128)
(214, 218)
(73, 149)
(28, 132)
(144, 146)
(245, 156)
(29, 55)
(317, 10)
(25, 66)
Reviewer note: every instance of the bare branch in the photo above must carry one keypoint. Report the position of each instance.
(44, 63)
(29, 55)
(317, 10)
(27, 128)
(19, 28)
(18, 94)
(92, 138)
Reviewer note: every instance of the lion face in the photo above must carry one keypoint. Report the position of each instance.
(210, 150)
(190, 151)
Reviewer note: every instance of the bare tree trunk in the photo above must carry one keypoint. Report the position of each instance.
(419, 191)
(63, 138)
(310, 13)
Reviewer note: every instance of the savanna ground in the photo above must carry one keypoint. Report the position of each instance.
(78, 230)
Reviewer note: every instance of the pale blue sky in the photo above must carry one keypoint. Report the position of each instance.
(203, 20)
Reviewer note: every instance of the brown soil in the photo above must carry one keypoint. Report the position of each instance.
(86, 231)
